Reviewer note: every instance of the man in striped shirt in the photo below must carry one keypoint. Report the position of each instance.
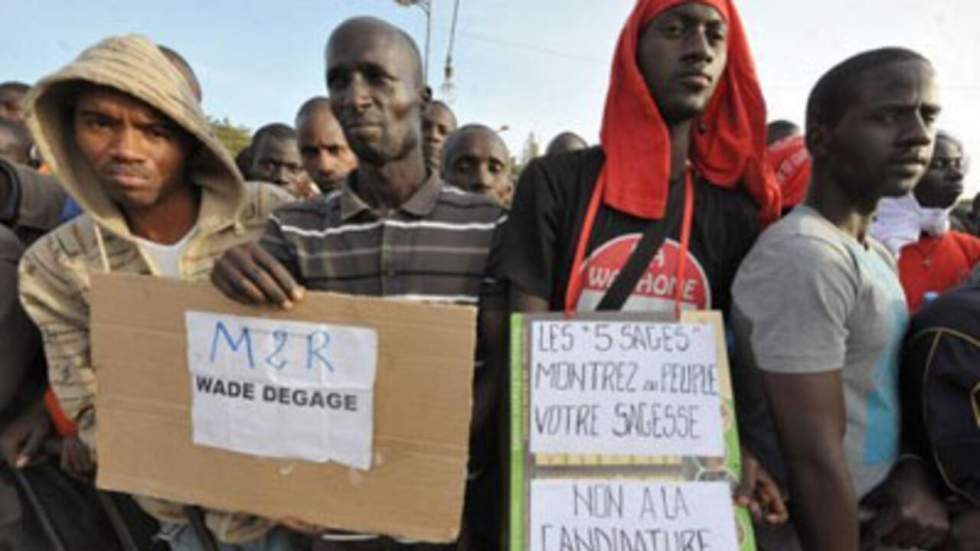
(391, 230)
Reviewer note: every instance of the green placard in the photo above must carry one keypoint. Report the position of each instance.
(614, 390)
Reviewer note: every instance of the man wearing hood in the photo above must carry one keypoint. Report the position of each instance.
(123, 131)
(679, 172)
(916, 228)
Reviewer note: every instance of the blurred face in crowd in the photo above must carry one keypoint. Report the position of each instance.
(15, 143)
(11, 101)
(438, 122)
(882, 145)
(477, 160)
(682, 54)
(326, 156)
(942, 184)
(138, 155)
(277, 160)
(376, 90)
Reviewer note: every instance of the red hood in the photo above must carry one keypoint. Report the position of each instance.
(731, 151)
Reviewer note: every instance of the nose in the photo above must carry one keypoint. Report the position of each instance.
(360, 98)
(279, 174)
(698, 47)
(956, 172)
(324, 163)
(125, 145)
(918, 132)
(482, 179)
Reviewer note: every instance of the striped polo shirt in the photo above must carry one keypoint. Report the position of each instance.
(434, 247)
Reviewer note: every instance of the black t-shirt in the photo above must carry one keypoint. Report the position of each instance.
(539, 240)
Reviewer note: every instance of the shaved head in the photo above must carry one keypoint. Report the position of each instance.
(380, 28)
(327, 158)
(476, 159)
(376, 88)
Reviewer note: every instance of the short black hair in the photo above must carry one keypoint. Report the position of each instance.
(276, 130)
(316, 102)
(453, 140)
(780, 129)
(15, 86)
(561, 143)
(837, 88)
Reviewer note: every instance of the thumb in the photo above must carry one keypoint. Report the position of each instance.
(31, 447)
(746, 487)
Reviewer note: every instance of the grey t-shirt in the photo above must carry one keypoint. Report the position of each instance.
(810, 298)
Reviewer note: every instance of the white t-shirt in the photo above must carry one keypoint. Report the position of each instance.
(166, 257)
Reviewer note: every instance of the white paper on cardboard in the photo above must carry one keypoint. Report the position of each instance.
(623, 514)
(283, 389)
(620, 387)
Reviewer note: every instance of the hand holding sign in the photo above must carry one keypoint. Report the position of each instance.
(250, 275)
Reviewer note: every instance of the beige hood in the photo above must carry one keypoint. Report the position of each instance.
(134, 65)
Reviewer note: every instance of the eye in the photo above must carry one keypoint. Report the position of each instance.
(159, 132)
(307, 151)
(672, 29)
(375, 75)
(337, 80)
(716, 33)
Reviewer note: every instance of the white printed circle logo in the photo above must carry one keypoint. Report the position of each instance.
(657, 287)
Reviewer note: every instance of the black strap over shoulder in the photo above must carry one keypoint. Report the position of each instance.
(653, 238)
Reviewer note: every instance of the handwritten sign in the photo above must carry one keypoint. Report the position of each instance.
(284, 389)
(620, 387)
(623, 435)
(597, 514)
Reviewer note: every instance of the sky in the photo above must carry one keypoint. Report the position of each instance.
(538, 66)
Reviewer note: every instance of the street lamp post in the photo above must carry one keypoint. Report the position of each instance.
(426, 6)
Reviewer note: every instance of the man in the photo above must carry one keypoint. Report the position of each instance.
(15, 142)
(326, 156)
(819, 310)
(392, 230)
(916, 228)
(940, 394)
(681, 143)
(11, 100)
(779, 130)
(438, 122)
(127, 139)
(275, 157)
(476, 159)
(564, 142)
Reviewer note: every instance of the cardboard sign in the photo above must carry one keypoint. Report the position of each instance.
(623, 434)
(422, 394)
(282, 388)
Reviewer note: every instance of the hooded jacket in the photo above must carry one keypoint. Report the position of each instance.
(55, 272)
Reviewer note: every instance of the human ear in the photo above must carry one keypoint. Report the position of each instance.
(818, 140)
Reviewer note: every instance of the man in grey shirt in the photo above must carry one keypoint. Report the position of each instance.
(820, 313)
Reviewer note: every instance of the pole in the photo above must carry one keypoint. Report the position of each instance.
(428, 38)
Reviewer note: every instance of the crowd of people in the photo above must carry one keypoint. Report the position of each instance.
(851, 304)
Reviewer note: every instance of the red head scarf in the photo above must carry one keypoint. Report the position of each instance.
(791, 162)
(635, 139)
